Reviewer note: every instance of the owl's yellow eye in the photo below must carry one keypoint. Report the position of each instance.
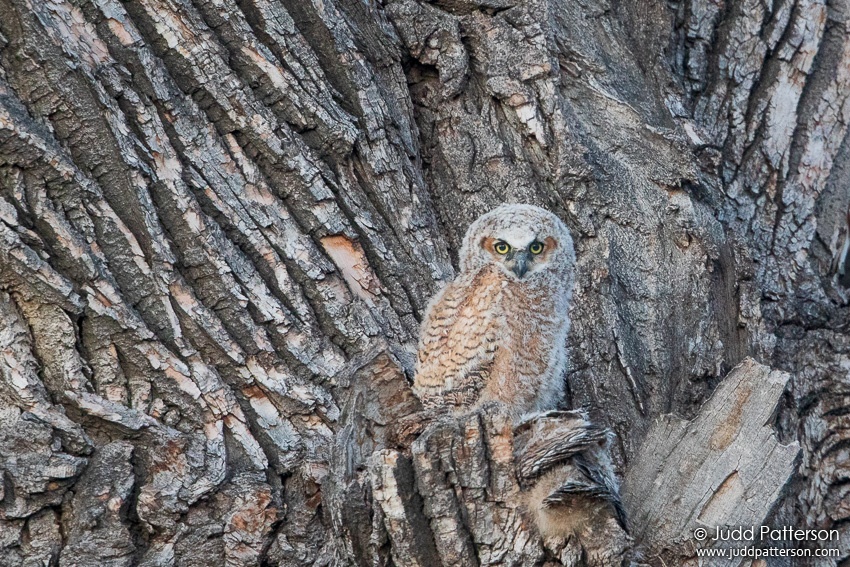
(536, 248)
(502, 247)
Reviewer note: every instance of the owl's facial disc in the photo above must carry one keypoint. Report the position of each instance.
(520, 256)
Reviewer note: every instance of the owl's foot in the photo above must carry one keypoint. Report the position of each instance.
(406, 429)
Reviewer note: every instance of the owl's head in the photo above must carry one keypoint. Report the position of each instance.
(522, 240)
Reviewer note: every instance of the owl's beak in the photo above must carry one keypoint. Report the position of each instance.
(520, 266)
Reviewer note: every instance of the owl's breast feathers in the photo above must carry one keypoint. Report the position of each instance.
(458, 340)
(482, 335)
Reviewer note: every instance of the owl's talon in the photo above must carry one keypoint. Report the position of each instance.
(493, 407)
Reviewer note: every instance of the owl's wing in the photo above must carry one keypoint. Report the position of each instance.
(458, 342)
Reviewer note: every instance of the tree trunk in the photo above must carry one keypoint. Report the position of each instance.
(220, 223)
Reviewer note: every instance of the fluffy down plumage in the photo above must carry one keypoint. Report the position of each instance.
(497, 333)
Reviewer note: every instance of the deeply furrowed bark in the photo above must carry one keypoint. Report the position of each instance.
(220, 223)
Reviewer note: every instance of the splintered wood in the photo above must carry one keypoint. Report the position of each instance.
(723, 468)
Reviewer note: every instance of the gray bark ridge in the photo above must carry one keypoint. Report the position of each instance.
(723, 468)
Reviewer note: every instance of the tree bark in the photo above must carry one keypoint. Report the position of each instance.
(220, 223)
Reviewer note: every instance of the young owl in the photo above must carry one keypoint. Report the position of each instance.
(497, 332)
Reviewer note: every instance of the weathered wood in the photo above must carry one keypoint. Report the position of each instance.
(461, 496)
(723, 468)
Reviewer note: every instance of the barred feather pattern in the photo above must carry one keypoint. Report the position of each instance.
(493, 335)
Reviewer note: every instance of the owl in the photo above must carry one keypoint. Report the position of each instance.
(497, 332)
